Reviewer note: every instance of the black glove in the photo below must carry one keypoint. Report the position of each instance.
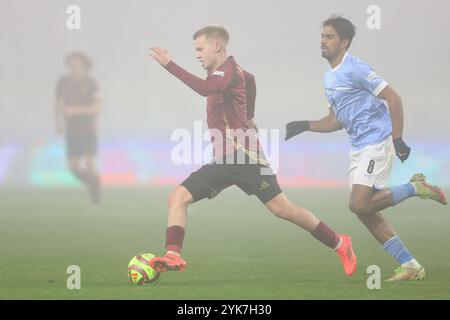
(296, 127)
(401, 149)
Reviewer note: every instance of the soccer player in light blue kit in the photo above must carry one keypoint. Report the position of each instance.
(356, 96)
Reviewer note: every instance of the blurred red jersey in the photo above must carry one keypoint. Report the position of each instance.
(78, 93)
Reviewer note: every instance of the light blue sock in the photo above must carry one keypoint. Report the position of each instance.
(403, 192)
(395, 247)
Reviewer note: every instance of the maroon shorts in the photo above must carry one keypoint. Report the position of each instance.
(81, 144)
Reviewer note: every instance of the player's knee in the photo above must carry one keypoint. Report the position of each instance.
(357, 208)
(278, 209)
(179, 197)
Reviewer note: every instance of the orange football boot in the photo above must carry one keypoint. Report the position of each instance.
(169, 262)
(347, 255)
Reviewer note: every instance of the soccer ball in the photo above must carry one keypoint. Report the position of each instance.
(140, 272)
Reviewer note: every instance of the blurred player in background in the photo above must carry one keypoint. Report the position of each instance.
(355, 94)
(230, 93)
(76, 111)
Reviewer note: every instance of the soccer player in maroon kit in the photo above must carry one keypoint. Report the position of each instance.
(230, 93)
(76, 109)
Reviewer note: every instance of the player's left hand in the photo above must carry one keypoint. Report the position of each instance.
(296, 127)
(161, 55)
(401, 149)
(252, 125)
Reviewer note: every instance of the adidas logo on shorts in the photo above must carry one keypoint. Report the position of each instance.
(264, 185)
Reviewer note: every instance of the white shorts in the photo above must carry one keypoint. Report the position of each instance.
(371, 166)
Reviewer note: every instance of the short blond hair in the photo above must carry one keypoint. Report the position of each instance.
(213, 31)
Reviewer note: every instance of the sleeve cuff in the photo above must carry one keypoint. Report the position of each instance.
(169, 67)
(380, 88)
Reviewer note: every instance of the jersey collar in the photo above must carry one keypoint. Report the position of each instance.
(229, 59)
(340, 64)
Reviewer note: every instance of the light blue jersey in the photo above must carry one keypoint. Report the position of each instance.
(351, 89)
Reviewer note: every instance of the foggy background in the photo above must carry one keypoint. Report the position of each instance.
(277, 41)
(49, 224)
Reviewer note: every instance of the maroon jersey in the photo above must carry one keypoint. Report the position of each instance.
(79, 93)
(230, 93)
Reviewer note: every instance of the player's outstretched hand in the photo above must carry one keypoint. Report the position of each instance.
(401, 149)
(161, 55)
(296, 127)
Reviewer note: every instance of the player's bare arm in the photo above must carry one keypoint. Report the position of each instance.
(395, 106)
(324, 125)
(395, 109)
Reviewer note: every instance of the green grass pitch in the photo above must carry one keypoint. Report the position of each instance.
(234, 247)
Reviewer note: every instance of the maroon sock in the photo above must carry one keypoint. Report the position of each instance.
(174, 238)
(324, 234)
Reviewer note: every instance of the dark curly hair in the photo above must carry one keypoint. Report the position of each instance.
(344, 28)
